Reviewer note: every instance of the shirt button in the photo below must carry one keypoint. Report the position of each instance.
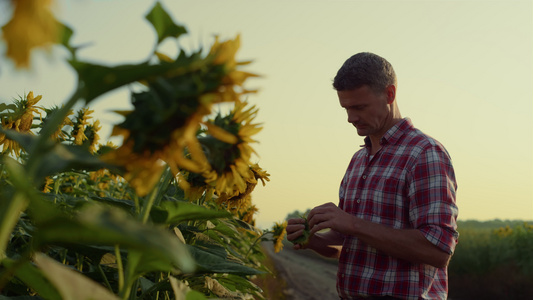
(364, 176)
(358, 200)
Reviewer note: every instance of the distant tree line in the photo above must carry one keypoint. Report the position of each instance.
(297, 214)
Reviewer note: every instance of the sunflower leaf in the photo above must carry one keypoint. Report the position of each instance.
(212, 263)
(178, 211)
(163, 23)
(56, 157)
(97, 225)
(33, 277)
(70, 283)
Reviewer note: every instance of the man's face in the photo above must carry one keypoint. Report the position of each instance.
(367, 110)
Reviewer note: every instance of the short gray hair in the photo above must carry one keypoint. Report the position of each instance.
(365, 69)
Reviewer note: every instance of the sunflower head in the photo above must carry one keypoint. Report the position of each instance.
(61, 133)
(228, 150)
(81, 122)
(28, 108)
(247, 215)
(91, 132)
(19, 117)
(180, 100)
(47, 186)
(279, 230)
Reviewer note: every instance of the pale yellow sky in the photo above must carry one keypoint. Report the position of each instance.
(465, 74)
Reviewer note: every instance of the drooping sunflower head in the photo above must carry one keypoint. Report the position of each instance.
(81, 121)
(248, 215)
(19, 117)
(47, 186)
(9, 146)
(91, 132)
(228, 150)
(192, 184)
(61, 134)
(27, 107)
(169, 109)
(223, 53)
(279, 230)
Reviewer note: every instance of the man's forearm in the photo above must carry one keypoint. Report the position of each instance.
(408, 244)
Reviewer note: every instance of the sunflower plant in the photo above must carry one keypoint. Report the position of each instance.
(166, 214)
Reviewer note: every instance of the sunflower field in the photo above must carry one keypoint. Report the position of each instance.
(168, 213)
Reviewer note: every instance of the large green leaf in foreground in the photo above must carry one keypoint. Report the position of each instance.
(100, 225)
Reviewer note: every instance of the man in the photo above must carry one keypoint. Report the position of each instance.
(394, 229)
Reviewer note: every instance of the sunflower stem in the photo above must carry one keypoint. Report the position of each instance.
(10, 218)
(255, 243)
(157, 194)
(104, 277)
(120, 269)
(148, 206)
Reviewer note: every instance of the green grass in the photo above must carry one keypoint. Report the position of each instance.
(493, 260)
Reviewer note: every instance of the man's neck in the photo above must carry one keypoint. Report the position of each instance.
(376, 139)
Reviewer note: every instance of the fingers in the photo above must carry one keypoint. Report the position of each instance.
(295, 228)
(321, 213)
(323, 216)
(295, 221)
(320, 209)
(294, 235)
(322, 225)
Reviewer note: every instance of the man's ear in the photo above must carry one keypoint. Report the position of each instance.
(391, 93)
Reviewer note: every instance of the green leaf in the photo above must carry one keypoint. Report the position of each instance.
(20, 298)
(174, 212)
(96, 80)
(238, 283)
(195, 295)
(71, 284)
(163, 23)
(13, 202)
(140, 263)
(66, 35)
(110, 226)
(4, 106)
(145, 284)
(211, 263)
(124, 204)
(33, 277)
(55, 157)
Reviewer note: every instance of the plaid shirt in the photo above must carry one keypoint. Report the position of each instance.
(409, 183)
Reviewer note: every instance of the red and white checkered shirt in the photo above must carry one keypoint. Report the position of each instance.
(409, 183)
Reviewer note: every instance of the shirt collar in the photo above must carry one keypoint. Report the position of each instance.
(393, 134)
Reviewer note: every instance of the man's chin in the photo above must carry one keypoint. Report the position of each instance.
(362, 131)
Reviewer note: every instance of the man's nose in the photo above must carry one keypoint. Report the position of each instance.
(352, 117)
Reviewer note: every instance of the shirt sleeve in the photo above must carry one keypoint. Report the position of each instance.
(432, 203)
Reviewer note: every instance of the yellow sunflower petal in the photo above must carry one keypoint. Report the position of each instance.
(32, 25)
(221, 134)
